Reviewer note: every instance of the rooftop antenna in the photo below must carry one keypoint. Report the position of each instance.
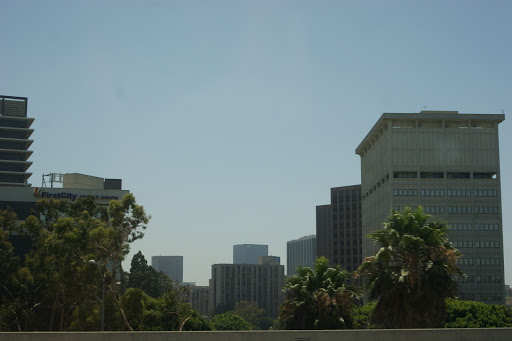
(52, 178)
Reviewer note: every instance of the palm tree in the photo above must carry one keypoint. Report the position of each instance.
(318, 298)
(412, 273)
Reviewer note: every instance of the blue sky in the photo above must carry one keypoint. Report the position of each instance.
(231, 120)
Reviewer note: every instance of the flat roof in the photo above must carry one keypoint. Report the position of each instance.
(428, 115)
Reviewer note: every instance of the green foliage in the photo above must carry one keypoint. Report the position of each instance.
(252, 313)
(229, 321)
(470, 314)
(362, 316)
(318, 298)
(146, 278)
(132, 302)
(87, 316)
(54, 287)
(196, 323)
(8, 265)
(412, 273)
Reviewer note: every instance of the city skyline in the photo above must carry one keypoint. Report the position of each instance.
(229, 121)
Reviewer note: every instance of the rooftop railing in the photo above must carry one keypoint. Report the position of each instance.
(13, 106)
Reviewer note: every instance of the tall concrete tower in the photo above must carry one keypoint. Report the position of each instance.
(449, 164)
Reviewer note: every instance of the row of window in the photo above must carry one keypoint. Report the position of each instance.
(488, 297)
(480, 296)
(426, 209)
(479, 261)
(465, 261)
(463, 244)
(488, 261)
(487, 227)
(376, 186)
(470, 210)
(467, 279)
(460, 227)
(397, 192)
(478, 244)
(488, 279)
(441, 175)
(454, 209)
(405, 192)
(493, 244)
(478, 227)
(480, 279)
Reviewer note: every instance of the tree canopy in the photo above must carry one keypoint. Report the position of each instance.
(145, 277)
(229, 321)
(471, 314)
(252, 313)
(412, 273)
(56, 277)
(318, 298)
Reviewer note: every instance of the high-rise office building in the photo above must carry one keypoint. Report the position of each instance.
(301, 252)
(261, 283)
(14, 141)
(172, 266)
(248, 253)
(449, 164)
(339, 228)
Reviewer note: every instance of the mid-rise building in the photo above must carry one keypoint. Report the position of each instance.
(339, 228)
(172, 266)
(232, 283)
(300, 252)
(198, 297)
(449, 164)
(248, 253)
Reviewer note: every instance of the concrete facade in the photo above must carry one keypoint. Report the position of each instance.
(440, 334)
(339, 237)
(248, 253)
(449, 164)
(232, 283)
(172, 266)
(301, 252)
(199, 297)
(15, 140)
(324, 231)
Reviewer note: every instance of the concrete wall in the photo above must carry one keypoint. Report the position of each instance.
(335, 335)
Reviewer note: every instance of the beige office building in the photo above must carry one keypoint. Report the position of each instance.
(449, 164)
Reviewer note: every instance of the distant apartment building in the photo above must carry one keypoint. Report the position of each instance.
(449, 164)
(248, 253)
(198, 297)
(339, 228)
(172, 266)
(261, 283)
(300, 252)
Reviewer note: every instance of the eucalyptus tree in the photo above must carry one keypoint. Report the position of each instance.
(56, 277)
(412, 273)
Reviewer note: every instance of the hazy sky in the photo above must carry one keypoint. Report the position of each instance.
(231, 120)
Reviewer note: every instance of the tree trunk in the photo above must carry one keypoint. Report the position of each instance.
(125, 320)
(54, 308)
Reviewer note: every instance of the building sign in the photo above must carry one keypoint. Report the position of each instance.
(74, 194)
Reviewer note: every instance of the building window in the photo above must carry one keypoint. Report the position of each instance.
(458, 175)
